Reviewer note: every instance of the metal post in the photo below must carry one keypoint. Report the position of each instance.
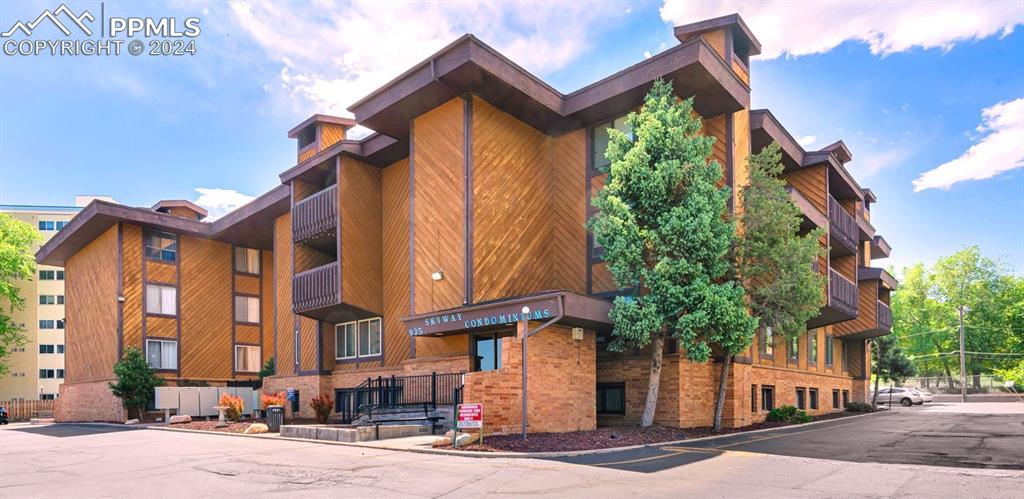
(433, 388)
(963, 362)
(525, 328)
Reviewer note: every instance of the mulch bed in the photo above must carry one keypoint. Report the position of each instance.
(615, 436)
(212, 426)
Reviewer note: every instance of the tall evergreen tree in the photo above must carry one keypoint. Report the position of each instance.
(773, 261)
(662, 222)
(136, 380)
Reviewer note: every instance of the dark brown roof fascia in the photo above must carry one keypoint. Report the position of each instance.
(320, 118)
(880, 247)
(763, 119)
(181, 203)
(806, 207)
(732, 20)
(877, 274)
(819, 157)
(350, 146)
(265, 201)
(840, 150)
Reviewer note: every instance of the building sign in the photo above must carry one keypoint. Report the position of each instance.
(486, 316)
(470, 416)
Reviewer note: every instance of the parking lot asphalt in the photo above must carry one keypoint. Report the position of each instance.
(85, 461)
(936, 435)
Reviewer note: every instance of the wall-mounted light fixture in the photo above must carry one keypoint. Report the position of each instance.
(437, 276)
(120, 299)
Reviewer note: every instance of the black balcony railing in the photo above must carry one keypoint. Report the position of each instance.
(884, 316)
(842, 293)
(316, 288)
(842, 226)
(316, 214)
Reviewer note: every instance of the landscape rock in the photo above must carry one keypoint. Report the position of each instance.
(132, 421)
(465, 439)
(256, 428)
(442, 442)
(184, 418)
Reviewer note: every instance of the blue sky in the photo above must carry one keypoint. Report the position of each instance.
(904, 85)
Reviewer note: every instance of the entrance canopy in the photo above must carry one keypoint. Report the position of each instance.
(569, 308)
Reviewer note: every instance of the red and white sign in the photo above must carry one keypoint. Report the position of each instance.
(471, 416)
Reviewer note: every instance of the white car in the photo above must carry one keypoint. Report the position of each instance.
(903, 396)
(925, 395)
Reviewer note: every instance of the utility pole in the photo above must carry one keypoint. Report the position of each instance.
(963, 362)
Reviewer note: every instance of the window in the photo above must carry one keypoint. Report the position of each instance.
(47, 275)
(60, 348)
(767, 398)
(793, 348)
(47, 300)
(47, 348)
(812, 347)
(161, 300)
(828, 351)
(60, 374)
(801, 402)
(60, 323)
(369, 338)
(345, 341)
(842, 356)
(60, 225)
(60, 275)
(846, 398)
(47, 374)
(161, 246)
(247, 260)
(813, 392)
(357, 339)
(835, 399)
(162, 354)
(60, 299)
(247, 309)
(753, 398)
(486, 352)
(46, 225)
(611, 398)
(601, 140)
(46, 324)
(47, 396)
(247, 358)
(767, 343)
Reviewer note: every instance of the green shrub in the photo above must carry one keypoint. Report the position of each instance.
(788, 414)
(859, 407)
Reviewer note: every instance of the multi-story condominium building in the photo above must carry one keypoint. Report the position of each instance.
(37, 367)
(406, 260)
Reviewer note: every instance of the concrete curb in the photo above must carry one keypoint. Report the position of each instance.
(481, 454)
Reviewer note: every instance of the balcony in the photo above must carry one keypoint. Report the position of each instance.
(812, 217)
(315, 218)
(316, 289)
(842, 228)
(842, 301)
(883, 316)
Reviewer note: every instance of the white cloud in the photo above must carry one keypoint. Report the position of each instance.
(803, 28)
(1001, 149)
(334, 54)
(220, 202)
(806, 140)
(869, 162)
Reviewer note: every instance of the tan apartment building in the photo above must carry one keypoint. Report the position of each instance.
(37, 367)
(409, 267)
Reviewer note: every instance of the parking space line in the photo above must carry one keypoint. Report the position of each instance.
(770, 437)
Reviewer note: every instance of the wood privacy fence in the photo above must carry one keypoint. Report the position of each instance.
(22, 410)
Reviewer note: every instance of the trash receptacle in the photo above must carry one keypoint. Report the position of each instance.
(275, 417)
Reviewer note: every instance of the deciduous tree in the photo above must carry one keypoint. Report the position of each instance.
(662, 222)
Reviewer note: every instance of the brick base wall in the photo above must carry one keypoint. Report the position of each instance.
(88, 401)
(561, 384)
(308, 387)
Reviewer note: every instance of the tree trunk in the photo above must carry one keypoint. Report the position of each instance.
(720, 400)
(653, 384)
(878, 374)
(976, 378)
(949, 375)
(141, 414)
